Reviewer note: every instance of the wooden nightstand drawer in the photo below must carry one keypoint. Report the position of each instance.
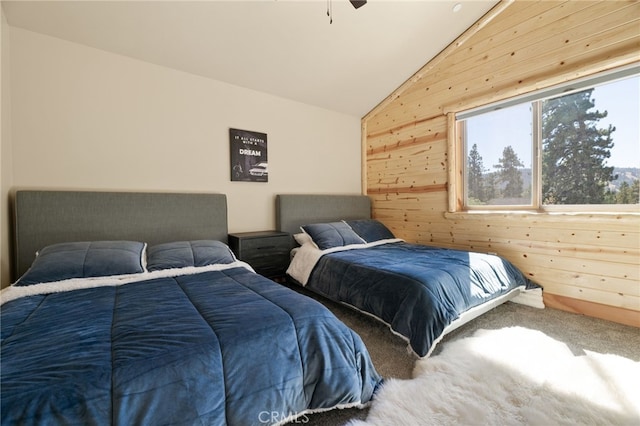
(263, 243)
(266, 251)
(263, 256)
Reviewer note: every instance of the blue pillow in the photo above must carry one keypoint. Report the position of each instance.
(370, 230)
(83, 260)
(334, 234)
(182, 254)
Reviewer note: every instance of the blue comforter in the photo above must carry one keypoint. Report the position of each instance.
(418, 290)
(212, 348)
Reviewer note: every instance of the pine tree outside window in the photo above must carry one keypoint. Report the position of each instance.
(573, 145)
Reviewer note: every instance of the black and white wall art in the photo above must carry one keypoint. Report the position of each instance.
(248, 156)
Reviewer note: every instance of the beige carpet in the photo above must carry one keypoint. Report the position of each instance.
(391, 359)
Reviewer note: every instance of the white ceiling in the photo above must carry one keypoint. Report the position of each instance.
(285, 48)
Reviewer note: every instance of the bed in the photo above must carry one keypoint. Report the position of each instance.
(135, 311)
(421, 292)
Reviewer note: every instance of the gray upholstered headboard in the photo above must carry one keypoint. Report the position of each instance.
(42, 218)
(294, 210)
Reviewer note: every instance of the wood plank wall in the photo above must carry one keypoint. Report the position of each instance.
(587, 263)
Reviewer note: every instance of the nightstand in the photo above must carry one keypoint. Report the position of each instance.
(266, 251)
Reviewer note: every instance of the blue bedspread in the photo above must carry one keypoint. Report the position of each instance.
(213, 348)
(418, 290)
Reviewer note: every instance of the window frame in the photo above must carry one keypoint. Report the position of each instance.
(458, 150)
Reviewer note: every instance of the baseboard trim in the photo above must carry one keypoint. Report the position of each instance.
(597, 310)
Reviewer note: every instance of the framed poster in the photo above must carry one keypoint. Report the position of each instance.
(248, 156)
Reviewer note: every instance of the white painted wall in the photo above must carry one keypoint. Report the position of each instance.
(6, 156)
(82, 118)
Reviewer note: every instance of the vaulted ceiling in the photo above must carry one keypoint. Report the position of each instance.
(347, 62)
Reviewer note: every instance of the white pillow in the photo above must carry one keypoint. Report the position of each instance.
(302, 238)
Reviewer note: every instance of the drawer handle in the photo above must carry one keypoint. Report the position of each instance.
(266, 247)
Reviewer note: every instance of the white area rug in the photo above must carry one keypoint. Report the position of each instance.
(512, 376)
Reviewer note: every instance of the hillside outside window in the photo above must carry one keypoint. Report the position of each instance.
(563, 148)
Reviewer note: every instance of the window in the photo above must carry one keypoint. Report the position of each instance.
(573, 145)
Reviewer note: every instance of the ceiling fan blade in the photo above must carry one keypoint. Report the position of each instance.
(358, 3)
